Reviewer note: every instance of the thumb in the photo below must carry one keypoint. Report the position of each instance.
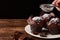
(54, 2)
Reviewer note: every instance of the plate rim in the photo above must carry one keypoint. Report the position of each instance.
(37, 35)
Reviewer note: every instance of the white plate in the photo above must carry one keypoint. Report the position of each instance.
(49, 36)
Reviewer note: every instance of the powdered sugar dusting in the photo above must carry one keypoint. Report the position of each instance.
(36, 19)
(53, 20)
(46, 16)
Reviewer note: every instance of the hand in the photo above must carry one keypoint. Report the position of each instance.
(57, 3)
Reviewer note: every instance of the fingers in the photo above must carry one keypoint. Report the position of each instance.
(58, 3)
(54, 2)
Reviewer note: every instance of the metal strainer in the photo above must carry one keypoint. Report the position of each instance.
(47, 7)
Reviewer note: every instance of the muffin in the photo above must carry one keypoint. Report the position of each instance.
(40, 22)
(52, 26)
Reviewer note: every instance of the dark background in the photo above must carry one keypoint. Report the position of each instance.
(3, 8)
(21, 9)
(31, 7)
(4, 5)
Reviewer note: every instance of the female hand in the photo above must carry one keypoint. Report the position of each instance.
(57, 3)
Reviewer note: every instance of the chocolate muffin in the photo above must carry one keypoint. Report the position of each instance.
(40, 22)
(53, 26)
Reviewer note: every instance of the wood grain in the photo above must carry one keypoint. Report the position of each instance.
(9, 26)
(13, 22)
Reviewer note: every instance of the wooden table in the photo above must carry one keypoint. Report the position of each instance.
(9, 26)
